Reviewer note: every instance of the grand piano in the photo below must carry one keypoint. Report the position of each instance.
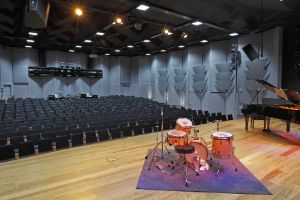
(287, 108)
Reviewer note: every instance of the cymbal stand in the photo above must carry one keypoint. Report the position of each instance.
(155, 157)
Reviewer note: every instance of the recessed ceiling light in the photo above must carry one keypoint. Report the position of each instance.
(163, 50)
(130, 46)
(117, 50)
(204, 41)
(197, 23)
(71, 50)
(100, 33)
(146, 41)
(28, 46)
(107, 54)
(233, 34)
(78, 46)
(181, 46)
(148, 54)
(30, 41)
(87, 41)
(170, 33)
(142, 7)
(33, 33)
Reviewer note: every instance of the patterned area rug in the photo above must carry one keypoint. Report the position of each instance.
(227, 180)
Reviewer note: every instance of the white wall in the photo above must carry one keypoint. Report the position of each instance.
(138, 76)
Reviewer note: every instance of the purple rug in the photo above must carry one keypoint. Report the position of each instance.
(228, 180)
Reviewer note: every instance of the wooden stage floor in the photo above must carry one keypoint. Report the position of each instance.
(110, 170)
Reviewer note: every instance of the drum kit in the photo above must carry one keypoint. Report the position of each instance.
(192, 151)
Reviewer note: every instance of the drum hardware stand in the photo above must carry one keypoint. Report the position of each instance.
(217, 125)
(154, 152)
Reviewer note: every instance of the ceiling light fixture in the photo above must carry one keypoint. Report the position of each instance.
(184, 35)
(78, 11)
(118, 20)
(117, 50)
(130, 46)
(30, 41)
(107, 54)
(204, 41)
(71, 50)
(100, 33)
(197, 23)
(33, 33)
(148, 54)
(78, 46)
(163, 50)
(146, 41)
(181, 46)
(143, 7)
(88, 41)
(165, 31)
(28, 46)
(233, 34)
(170, 33)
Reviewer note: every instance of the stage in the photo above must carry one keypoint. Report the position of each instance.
(111, 170)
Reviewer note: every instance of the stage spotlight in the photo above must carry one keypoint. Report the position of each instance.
(78, 46)
(118, 20)
(181, 46)
(163, 51)
(71, 50)
(107, 54)
(117, 50)
(204, 41)
(166, 31)
(78, 11)
(88, 41)
(184, 35)
(146, 41)
(148, 54)
(28, 46)
(130, 46)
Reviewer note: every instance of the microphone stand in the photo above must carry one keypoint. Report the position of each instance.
(256, 95)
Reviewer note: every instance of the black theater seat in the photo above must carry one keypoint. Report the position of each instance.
(77, 139)
(62, 141)
(44, 145)
(7, 152)
(91, 136)
(26, 148)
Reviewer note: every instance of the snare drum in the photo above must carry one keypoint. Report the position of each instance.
(176, 137)
(222, 145)
(184, 124)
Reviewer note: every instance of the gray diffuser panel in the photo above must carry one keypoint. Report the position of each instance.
(223, 67)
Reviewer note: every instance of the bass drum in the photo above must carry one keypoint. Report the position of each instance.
(200, 152)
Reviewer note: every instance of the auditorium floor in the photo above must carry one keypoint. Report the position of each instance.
(110, 170)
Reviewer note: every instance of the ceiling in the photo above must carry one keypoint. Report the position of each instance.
(65, 30)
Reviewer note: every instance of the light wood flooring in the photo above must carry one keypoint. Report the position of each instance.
(110, 170)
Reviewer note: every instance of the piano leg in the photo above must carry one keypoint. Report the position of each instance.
(266, 124)
(288, 126)
(246, 122)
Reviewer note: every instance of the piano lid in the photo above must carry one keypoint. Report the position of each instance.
(290, 95)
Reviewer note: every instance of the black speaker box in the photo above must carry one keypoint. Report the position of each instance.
(36, 13)
(250, 52)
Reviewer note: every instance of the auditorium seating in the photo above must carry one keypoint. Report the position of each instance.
(30, 125)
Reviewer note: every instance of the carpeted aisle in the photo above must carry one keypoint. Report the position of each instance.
(227, 181)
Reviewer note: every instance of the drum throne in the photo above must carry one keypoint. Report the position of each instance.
(184, 150)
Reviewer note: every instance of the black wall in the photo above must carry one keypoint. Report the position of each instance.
(291, 57)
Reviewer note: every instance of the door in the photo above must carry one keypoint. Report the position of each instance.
(6, 92)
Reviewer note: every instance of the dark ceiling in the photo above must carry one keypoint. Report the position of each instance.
(65, 30)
